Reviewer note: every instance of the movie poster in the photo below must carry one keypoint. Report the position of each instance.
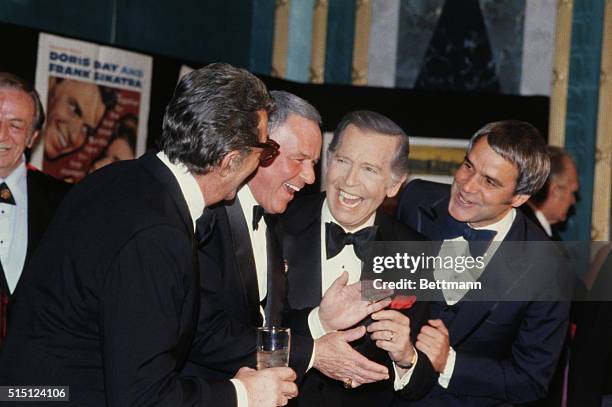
(96, 100)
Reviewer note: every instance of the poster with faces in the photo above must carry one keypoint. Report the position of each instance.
(96, 100)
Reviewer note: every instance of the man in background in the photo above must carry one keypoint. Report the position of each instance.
(550, 206)
(28, 198)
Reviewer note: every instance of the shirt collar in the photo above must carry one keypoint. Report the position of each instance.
(326, 216)
(188, 185)
(544, 222)
(17, 182)
(502, 226)
(247, 201)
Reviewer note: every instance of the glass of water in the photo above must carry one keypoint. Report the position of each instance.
(273, 344)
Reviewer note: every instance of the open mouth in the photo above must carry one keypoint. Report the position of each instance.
(464, 202)
(349, 200)
(291, 188)
(62, 139)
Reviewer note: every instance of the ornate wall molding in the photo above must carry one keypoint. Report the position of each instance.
(359, 72)
(319, 38)
(560, 76)
(281, 38)
(602, 190)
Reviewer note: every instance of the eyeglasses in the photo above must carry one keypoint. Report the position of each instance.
(269, 153)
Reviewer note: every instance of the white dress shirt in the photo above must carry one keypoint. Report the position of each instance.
(543, 221)
(14, 226)
(332, 268)
(188, 185)
(501, 227)
(258, 240)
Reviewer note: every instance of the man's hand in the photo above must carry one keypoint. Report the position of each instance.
(335, 358)
(433, 341)
(342, 305)
(391, 331)
(268, 387)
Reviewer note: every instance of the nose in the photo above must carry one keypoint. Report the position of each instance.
(470, 184)
(3, 130)
(352, 177)
(307, 173)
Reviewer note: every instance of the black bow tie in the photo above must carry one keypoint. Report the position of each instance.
(478, 239)
(5, 194)
(258, 213)
(336, 238)
(205, 226)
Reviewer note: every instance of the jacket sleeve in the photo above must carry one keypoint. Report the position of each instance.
(147, 309)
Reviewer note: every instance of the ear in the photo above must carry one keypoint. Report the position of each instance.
(519, 199)
(229, 163)
(553, 189)
(395, 185)
(32, 139)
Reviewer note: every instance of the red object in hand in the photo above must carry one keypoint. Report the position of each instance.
(402, 301)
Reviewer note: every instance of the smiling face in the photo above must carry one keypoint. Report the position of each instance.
(300, 146)
(359, 176)
(75, 110)
(16, 117)
(483, 189)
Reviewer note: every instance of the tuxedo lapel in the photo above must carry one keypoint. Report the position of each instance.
(243, 252)
(302, 249)
(431, 219)
(276, 276)
(3, 283)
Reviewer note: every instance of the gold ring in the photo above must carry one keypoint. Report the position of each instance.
(348, 383)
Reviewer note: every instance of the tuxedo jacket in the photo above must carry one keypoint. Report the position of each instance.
(110, 298)
(530, 214)
(44, 194)
(299, 234)
(506, 350)
(230, 306)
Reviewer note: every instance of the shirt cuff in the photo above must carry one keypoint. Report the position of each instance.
(315, 325)
(241, 393)
(312, 356)
(446, 375)
(401, 381)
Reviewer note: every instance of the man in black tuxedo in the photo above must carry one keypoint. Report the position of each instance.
(238, 263)
(550, 206)
(111, 298)
(28, 198)
(503, 349)
(367, 162)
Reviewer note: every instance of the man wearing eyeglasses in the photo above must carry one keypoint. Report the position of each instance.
(239, 289)
(113, 315)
